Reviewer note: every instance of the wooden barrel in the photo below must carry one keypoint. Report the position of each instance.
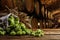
(29, 5)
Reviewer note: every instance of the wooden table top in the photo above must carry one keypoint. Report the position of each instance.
(50, 34)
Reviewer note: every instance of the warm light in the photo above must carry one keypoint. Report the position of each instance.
(46, 23)
(59, 20)
(38, 23)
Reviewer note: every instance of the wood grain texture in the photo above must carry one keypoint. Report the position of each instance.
(52, 31)
(34, 23)
(45, 37)
(29, 5)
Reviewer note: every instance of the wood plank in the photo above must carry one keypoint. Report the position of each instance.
(29, 5)
(10, 3)
(46, 37)
(14, 3)
(51, 31)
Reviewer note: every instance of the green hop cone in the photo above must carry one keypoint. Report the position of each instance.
(2, 32)
(12, 33)
(39, 33)
(23, 32)
(33, 33)
(17, 26)
(8, 30)
(42, 34)
(18, 29)
(1, 29)
(28, 31)
(16, 20)
(19, 32)
(38, 30)
(11, 21)
(22, 25)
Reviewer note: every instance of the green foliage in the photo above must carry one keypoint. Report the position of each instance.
(11, 21)
(33, 33)
(12, 33)
(19, 28)
(8, 30)
(16, 20)
(28, 31)
(23, 32)
(2, 32)
(1, 29)
(38, 33)
(22, 25)
(19, 33)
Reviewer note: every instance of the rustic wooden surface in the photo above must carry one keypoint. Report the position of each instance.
(45, 37)
(52, 31)
(55, 35)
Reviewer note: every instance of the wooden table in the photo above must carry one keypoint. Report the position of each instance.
(50, 34)
(46, 37)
